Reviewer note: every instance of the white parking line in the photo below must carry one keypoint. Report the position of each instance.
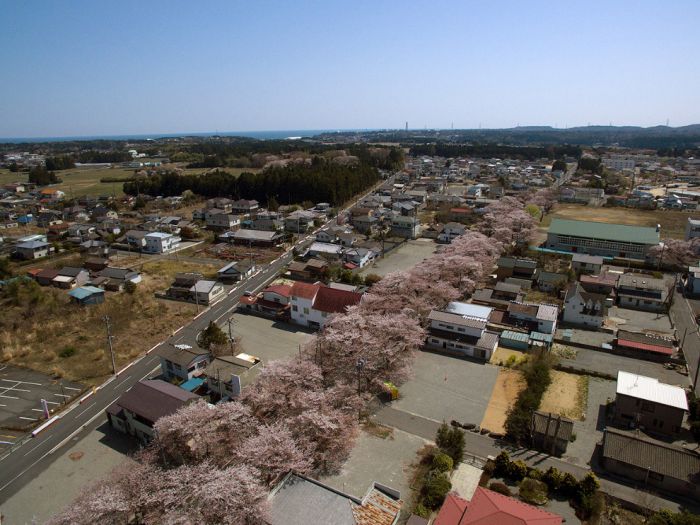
(9, 397)
(61, 395)
(37, 410)
(71, 388)
(53, 403)
(18, 382)
(28, 418)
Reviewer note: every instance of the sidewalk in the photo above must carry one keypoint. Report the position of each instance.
(483, 446)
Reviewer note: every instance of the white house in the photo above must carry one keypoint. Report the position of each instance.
(206, 292)
(584, 308)
(541, 316)
(407, 227)
(236, 271)
(312, 304)
(584, 263)
(217, 219)
(359, 256)
(461, 334)
(159, 242)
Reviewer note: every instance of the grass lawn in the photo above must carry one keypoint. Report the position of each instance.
(79, 181)
(672, 222)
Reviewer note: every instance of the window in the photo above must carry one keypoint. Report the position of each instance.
(306, 311)
(295, 308)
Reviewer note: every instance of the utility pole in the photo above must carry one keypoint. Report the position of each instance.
(108, 326)
(230, 333)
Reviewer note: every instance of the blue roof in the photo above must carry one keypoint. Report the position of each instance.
(85, 291)
(192, 384)
(539, 336)
(515, 336)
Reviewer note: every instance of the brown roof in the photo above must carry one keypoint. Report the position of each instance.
(565, 427)
(304, 290)
(332, 300)
(47, 273)
(154, 399)
(377, 509)
(638, 337)
(646, 453)
(525, 309)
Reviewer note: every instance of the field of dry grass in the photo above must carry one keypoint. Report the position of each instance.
(80, 181)
(566, 396)
(508, 385)
(672, 222)
(44, 331)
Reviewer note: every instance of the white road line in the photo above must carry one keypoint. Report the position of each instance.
(9, 397)
(83, 411)
(121, 383)
(37, 410)
(149, 373)
(71, 388)
(53, 403)
(28, 418)
(18, 382)
(38, 445)
(61, 395)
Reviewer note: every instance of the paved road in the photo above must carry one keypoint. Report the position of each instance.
(687, 330)
(29, 459)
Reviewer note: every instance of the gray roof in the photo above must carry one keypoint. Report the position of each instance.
(513, 262)
(646, 453)
(587, 259)
(508, 287)
(253, 235)
(640, 281)
(540, 420)
(455, 319)
(605, 231)
(301, 501)
(181, 356)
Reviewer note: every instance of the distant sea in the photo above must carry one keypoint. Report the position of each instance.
(262, 135)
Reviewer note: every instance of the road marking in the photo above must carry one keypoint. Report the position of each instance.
(38, 445)
(53, 403)
(71, 388)
(9, 397)
(18, 382)
(149, 373)
(83, 411)
(28, 418)
(121, 383)
(61, 395)
(37, 410)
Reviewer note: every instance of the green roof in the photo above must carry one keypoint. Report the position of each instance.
(605, 231)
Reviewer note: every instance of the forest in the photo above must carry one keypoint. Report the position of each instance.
(496, 150)
(319, 182)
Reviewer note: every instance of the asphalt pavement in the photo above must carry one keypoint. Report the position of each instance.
(682, 314)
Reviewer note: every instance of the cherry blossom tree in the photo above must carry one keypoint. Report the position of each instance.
(676, 253)
(506, 221)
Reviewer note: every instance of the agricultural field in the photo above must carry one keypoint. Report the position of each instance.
(672, 222)
(80, 181)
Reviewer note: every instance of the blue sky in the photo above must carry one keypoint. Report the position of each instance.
(99, 68)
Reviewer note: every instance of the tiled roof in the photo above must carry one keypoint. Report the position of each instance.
(377, 509)
(304, 290)
(280, 289)
(646, 453)
(487, 507)
(154, 399)
(331, 300)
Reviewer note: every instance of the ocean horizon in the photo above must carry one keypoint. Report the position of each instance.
(261, 135)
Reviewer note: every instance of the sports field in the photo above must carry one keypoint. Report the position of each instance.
(79, 181)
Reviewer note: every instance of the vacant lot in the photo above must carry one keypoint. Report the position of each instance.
(404, 257)
(41, 329)
(268, 339)
(508, 385)
(566, 396)
(672, 222)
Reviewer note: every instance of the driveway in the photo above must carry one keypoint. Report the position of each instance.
(445, 388)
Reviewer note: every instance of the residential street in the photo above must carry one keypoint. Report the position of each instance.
(687, 330)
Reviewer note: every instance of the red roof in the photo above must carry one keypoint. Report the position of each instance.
(279, 289)
(349, 266)
(451, 511)
(304, 290)
(334, 301)
(488, 508)
(644, 346)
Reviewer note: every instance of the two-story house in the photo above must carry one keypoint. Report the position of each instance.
(451, 231)
(182, 362)
(584, 308)
(159, 242)
(312, 304)
(219, 220)
(642, 292)
(460, 334)
(227, 374)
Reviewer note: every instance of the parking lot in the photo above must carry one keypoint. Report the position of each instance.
(638, 321)
(267, 339)
(402, 258)
(21, 392)
(445, 388)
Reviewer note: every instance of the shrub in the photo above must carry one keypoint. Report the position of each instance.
(568, 485)
(436, 487)
(517, 470)
(67, 351)
(553, 478)
(442, 462)
(421, 510)
(534, 473)
(129, 287)
(372, 278)
(451, 441)
(502, 464)
(533, 491)
(501, 488)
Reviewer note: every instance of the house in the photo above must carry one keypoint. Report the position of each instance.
(52, 194)
(115, 279)
(406, 227)
(539, 317)
(365, 224)
(311, 270)
(69, 277)
(600, 238)
(267, 224)
(645, 346)
(518, 267)
(451, 231)
(136, 239)
(182, 286)
(33, 250)
(236, 271)
(182, 362)
(159, 242)
(228, 374)
(312, 304)
(217, 219)
(138, 409)
(653, 463)
(500, 296)
(300, 500)
(604, 283)
(272, 302)
(252, 238)
(244, 206)
(95, 264)
(86, 295)
(693, 283)
(642, 292)
(692, 229)
(584, 308)
(491, 508)
(584, 263)
(461, 335)
(644, 402)
(550, 433)
(46, 276)
(299, 221)
(360, 257)
(549, 282)
(206, 292)
(327, 250)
